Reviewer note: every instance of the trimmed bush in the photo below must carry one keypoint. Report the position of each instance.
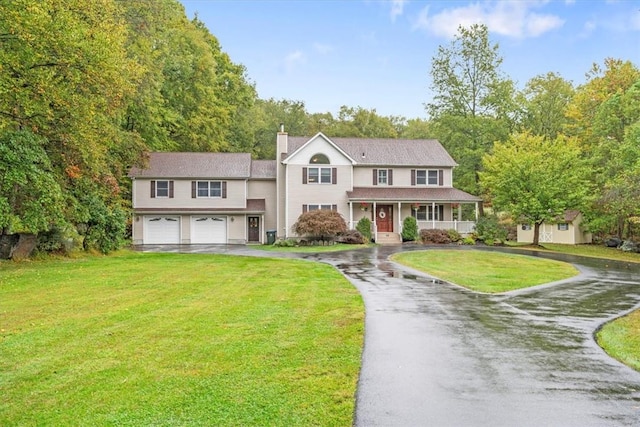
(285, 243)
(320, 225)
(489, 229)
(434, 236)
(454, 235)
(409, 229)
(364, 227)
(351, 237)
(469, 240)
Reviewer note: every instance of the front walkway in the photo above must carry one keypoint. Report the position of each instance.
(439, 355)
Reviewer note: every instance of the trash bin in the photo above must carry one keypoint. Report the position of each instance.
(271, 237)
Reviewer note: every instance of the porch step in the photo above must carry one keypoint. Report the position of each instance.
(389, 239)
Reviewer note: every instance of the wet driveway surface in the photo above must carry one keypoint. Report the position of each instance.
(439, 355)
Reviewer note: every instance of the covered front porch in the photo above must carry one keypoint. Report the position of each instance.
(433, 208)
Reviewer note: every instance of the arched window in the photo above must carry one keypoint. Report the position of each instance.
(319, 159)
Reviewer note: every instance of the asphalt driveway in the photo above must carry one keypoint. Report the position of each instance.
(439, 355)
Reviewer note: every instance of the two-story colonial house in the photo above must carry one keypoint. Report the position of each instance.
(223, 198)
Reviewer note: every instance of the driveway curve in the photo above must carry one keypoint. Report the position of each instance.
(439, 355)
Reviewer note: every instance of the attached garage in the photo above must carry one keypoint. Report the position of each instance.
(208, 229)
(160, 230)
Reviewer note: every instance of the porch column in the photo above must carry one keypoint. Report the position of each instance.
(459, 211)
(477, 211)
(433, 215)
(400, 217)
(351, 215)
(375, 221)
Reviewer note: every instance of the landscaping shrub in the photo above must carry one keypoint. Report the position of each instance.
(454, 236)
(364, 227)
(351, 237)
(320, 225)
(469, 240)
(488, 228)
(434, 236)
(409, 229)
(285, 243)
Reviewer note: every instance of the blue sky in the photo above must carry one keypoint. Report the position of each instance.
(377, 54)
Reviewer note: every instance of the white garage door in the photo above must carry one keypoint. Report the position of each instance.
(161, 230)
(208, 229)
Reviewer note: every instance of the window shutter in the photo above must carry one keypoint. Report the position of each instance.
(334, 208)
(304, 175)
(224, 189)
(440, 212)
(193, 189)
(440, 177)
(171, 189)
(375, 177)
(334, 175)
(153, 189)
(413, 177)
(390, 177)
(305, 208)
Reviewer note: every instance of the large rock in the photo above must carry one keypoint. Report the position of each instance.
(25, 246)
(613, 242)
(630, 246)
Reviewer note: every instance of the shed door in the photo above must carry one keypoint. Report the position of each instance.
(208, 229)
(159, 230)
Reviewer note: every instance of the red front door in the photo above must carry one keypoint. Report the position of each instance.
(384, 218)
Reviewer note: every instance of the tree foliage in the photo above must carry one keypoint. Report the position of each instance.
(543, 104)
(535, 180)
(473, 103)
(31, 200)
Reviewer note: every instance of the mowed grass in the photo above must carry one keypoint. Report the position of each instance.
(484, 271)
(178, 339)
(621, 339)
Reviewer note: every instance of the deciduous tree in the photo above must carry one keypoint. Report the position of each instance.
(535, 180)
(473, 103)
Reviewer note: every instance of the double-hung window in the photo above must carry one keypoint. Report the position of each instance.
(426, 177)
(429, 213)
(209, 189)
(162, 189)
(318, 175)
(563, 226)
(432, 177)
(383, 177)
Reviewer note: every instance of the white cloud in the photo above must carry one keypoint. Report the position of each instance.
(508, 18)
(397, 8)
(322, 49)
(292, 60)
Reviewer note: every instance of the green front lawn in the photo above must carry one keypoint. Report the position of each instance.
(486, 271)
(173, 339)
(621, 339)
(594, 251)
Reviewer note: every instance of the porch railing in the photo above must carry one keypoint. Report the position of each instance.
(462, 227)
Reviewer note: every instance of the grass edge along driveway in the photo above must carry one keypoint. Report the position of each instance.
(164, 339)
(489, 272)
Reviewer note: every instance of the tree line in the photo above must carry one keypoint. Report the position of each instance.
(87, 88)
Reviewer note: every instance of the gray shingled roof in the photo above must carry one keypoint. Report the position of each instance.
(263, 169)
(387, 152)
(411, 194)
(195, 165)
